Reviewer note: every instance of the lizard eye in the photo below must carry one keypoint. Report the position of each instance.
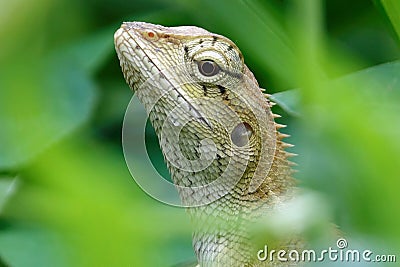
(241, 134)
(208, 68)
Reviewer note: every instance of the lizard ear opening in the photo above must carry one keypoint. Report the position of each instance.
(241, 134)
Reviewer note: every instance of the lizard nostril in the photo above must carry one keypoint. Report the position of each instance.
(241, 134)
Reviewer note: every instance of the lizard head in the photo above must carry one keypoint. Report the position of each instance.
(146, 49)
(212, 120)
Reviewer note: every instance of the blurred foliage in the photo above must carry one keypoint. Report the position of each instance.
(66, 197)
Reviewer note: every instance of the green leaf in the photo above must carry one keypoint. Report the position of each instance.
(350, 147)
(27, 246)
(392, 8)
(7, 188)
(289, 101)
(382, 77)
(53, 99)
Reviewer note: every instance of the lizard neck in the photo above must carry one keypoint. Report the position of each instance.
(223, 233)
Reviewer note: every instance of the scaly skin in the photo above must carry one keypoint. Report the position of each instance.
(216, 131)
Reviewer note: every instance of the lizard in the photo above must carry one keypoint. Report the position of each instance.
(216, 131)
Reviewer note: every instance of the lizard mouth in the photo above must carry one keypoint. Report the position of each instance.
(127, 49)
(138, 53)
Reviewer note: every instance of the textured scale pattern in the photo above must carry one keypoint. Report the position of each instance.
(242, 169)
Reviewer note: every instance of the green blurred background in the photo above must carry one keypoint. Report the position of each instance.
(66, 196)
